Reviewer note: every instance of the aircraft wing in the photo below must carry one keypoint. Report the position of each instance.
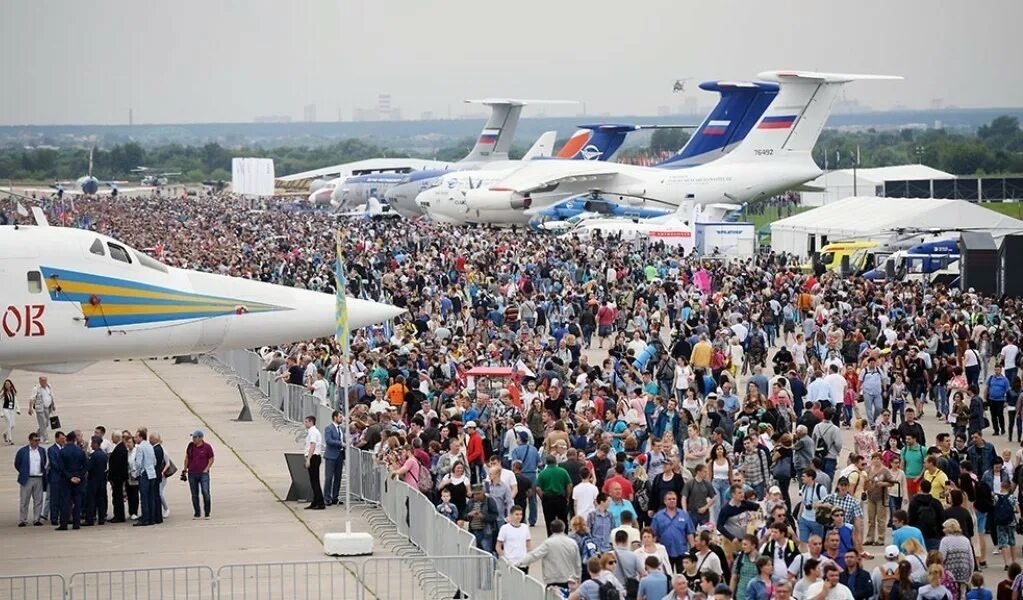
(363, 166)
(47, 190)
(526, 179)
(809, 187)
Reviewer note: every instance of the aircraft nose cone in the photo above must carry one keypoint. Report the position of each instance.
(363, 313)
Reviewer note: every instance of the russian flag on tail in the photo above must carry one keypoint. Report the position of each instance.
(777, 122)
(489, 136)
(716, 127)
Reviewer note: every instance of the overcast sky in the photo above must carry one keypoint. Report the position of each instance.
(68, 61)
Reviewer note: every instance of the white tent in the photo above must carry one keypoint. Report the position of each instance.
(873, 218)
(840, 184)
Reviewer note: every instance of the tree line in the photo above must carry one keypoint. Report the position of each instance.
(995, 148)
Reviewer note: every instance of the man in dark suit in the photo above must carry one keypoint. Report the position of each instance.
(55, 478)
(117, 474)
(75, 471)
(333, 459)
(96, 488)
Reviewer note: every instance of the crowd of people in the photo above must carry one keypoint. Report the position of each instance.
(88, 480)
(677, 426)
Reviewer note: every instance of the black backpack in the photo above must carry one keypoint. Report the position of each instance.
(608, 591)
(1003, 513)
(926, 519)
(984, 500)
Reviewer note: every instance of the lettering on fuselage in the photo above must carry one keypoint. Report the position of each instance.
(23, 321)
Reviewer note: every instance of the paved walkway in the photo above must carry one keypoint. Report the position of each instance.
(250, 521)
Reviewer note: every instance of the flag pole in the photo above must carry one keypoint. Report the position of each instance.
(341, 335)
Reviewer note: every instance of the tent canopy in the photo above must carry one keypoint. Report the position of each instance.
(873, 218)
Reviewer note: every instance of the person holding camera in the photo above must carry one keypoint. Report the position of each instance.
(198, 462)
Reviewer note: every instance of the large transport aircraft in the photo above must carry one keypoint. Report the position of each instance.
(772, 158)
(740, 105)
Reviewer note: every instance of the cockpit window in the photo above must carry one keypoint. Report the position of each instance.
(148, 261)
(35, 282)
(97, 247)
(119, 253)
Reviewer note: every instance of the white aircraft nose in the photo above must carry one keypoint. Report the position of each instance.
(363, 313)
(269, 314)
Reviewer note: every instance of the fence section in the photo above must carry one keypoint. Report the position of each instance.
(416, 578)
(475, 573)
(184, 583)
(282, 581)
(32, 587)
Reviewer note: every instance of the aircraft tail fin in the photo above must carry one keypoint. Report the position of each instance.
(91, 150)
(543, 147)
(794, 120)
(740, 106)
(496, 137)
(596, 142)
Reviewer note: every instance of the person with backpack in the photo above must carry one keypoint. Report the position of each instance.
(812, 495)
(755, 465)
(601, 585)
(1004, 520)
(886, 575)
(828, 440)
(628, 566)
(926, 513)
(655, 583)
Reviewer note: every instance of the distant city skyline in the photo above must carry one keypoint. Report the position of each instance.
(234, 61)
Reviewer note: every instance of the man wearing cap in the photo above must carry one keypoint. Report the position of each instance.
(886, 571)
(198, 462)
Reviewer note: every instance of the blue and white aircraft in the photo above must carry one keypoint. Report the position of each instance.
(739, 107)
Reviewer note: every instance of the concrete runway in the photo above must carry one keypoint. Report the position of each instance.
(250, 523)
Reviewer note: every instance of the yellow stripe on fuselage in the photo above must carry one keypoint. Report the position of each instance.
(112, 310)
(81, 287)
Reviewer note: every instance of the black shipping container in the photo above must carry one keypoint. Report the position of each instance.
(1010, 263)
(978, 266)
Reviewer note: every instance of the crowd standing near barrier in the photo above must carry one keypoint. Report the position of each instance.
(695, 406)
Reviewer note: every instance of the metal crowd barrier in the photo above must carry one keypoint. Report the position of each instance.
(32, 587)
(475, 574)
(189, 583)
(417, 519)
(363, 476)
(516, 584)
(277, 581)
(414, 578)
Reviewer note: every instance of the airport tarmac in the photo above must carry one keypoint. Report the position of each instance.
(250, 522)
